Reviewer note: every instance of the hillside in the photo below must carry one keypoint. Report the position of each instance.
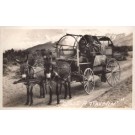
(118, 40)
(48, 45)
(123, 40)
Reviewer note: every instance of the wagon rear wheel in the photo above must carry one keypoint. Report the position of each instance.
(112, 72)
(88, 80)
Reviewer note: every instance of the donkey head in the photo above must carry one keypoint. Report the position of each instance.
(48, 64)
(26, 69)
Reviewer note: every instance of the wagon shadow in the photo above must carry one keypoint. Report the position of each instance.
(78, 89)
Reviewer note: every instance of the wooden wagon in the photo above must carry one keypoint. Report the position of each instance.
(88, 58)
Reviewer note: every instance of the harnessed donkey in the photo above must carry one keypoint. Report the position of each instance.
(31, 76)
(58, 72)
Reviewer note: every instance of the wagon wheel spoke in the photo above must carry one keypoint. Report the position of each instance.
(109, 76)
(85, 85)
(91, 83)
(108, 70)
(115, 80)
(85, 79)
(88, 86)
(116, 69)
(112, 80)
(117, 77)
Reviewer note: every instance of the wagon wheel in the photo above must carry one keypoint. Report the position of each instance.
(112, 72)
(88, 80)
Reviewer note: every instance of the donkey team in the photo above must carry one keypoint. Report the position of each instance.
(52, 71)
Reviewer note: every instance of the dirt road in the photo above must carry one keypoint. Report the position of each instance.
(15, 95)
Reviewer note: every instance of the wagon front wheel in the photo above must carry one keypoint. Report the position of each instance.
(88, 80)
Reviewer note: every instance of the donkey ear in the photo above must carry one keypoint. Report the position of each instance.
(26, 58)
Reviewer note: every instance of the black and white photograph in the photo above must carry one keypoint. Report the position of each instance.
(67, 67)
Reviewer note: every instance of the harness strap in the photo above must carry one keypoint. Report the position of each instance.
(56, 74)
(34, 70)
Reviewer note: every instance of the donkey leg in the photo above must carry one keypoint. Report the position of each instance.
(31, 95)
(43, 89)
(65, 85)
(57, 93)
(60, 87)
(50, 93)
(45, 86)
(69, 88)
(28, 93)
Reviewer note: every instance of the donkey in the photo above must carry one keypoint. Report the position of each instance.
(31, 76)
(58, 72)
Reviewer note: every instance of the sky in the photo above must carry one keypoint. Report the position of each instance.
(25, 37)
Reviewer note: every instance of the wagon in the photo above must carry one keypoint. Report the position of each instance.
(88, 59)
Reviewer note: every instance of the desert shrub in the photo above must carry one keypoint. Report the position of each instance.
(17, 74)
(130, 48)
(9, 56)
(5, 61)
(121, 49)
(9, 59)
(6, 70)
(5, 66)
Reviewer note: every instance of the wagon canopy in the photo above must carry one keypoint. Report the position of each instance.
(67, 44)
(69, 40)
